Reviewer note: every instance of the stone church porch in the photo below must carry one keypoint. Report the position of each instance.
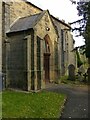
(32, 53)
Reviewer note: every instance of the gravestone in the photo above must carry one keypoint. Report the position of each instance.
(71, 72)
(81, 69)
(81, 72)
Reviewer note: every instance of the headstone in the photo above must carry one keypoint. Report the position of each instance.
(71, 72)
(80, 77)
(81, 73)
(81, 69)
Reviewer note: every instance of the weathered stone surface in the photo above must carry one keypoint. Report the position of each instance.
(65, 47)
(81, 69)
(21, 9)
(0, 36)
(41, 31)
(17, 61)
(21, 52)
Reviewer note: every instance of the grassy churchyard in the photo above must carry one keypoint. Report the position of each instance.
(32, 105)
(0, 105)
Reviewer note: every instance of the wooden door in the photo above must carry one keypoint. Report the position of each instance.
(47, 67)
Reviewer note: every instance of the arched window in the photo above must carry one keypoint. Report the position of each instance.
(47, 48)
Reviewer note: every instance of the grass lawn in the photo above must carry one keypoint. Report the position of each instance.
(32, 105)
(64, 80)
(0, 105)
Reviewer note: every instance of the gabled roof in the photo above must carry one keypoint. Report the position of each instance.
(28, 2)
(56, 19)
(26, 23)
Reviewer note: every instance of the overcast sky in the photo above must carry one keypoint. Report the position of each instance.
(62, 9)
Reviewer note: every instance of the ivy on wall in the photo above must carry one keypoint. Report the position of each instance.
(79, 62)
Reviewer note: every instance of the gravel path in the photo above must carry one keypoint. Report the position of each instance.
(76, 105)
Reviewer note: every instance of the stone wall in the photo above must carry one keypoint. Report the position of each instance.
(21, 8)
(72, 55)
(17, 61)
(65, 46)
(41, 31)
(14, 9)
(11, 11)
(0, 35)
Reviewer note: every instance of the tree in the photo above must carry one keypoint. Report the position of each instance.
(79, 62)
(83, 8)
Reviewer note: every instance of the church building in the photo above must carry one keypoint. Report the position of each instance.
(37, 48)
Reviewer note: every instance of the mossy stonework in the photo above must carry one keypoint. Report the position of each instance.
(36, 46)
(0, 36)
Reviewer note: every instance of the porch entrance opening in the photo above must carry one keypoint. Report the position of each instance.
(47, 58)
(47, 67)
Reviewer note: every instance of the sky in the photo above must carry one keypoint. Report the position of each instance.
(62, 9)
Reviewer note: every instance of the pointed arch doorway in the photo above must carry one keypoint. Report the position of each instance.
(47, 59)
(47, 67)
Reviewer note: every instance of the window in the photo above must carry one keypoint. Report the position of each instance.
(39, 62)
